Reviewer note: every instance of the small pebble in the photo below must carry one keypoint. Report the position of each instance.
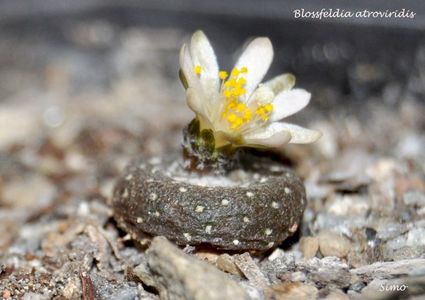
(6, 294)
(357, 286)
(297, 276)
(210, 257)
(292, 290)
(333, 244)
(309, 246)
(226, 264)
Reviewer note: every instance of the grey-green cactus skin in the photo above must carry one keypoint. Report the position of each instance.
(148, 202)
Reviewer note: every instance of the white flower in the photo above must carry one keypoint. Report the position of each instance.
(238, 108)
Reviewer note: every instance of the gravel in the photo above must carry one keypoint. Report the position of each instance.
(63, 148)
(333, 244)
(309, 246)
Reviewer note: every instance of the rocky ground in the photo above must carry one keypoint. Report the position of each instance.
(64, 142)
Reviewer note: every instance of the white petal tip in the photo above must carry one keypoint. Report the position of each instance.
(289, 102)
(309, 136)
(269, 137)
(263, 40)
(198, 35)
(198, 32)
(264, 44)
(302, 95)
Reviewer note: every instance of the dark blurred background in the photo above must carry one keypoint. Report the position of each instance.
(64, 64)
(354, 56)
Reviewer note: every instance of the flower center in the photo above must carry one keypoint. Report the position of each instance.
(235, 111)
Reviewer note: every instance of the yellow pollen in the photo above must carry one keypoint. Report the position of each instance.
(264, 111)
(241, 81)
(235, 111)
(238, 113)
(235, 72)
(232, 104)
(197, 69)
(236, 123)
(241, 107)
(268, 107)
(237, 91)
(247, 115)
(223, 75)
(230, 83)
(232, 118)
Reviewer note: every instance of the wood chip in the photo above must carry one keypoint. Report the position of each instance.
(89, 292)
(250, 269)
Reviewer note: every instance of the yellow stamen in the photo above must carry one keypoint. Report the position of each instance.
(264, 111)
(241, 81)
(259, 111)
(223, 75)
(247, 115)
(237, 91)
(235, 111)
(232, 104)
(230, 83)
(236, 123)
(232, 118)
(268, 107)
(197, 69)
(241, 107)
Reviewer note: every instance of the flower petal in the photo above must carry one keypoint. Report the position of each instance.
(194, 101)
(273, 135)
(202, 54)
(257, 58)
(283, 82)
(288, 103)
(300, 135)
(186, 66)
(262, 95)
